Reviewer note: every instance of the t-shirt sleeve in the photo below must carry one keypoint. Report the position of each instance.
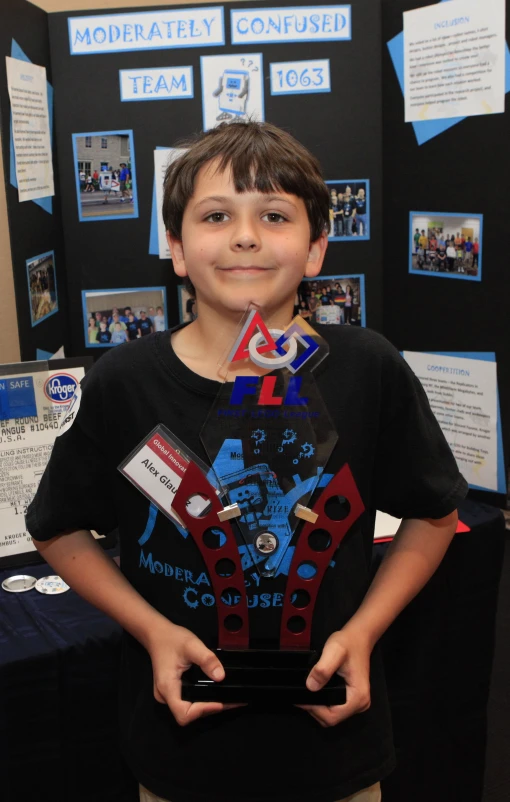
(76, 488)
(416, 475)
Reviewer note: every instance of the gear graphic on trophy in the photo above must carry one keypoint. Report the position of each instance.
(289, 436)
(307, 451)
(259, 436)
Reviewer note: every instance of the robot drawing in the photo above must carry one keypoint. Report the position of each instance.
(232, 93)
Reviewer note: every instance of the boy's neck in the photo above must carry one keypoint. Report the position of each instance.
(204, 345)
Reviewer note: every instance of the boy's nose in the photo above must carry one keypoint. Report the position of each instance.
(245, 238)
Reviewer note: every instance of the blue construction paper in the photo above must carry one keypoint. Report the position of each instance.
(43, 356)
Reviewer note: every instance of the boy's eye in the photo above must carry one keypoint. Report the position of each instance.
(216, 217)
(274, 217)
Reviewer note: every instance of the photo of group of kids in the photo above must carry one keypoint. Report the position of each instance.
(334, 300)
(42, 287)
(349, 210)
(113, 317)
(105, 175)
(445, 244)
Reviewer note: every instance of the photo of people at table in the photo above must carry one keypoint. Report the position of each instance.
(446, 244)
(349, 209)
(113, 317)
(335, 300)
(42, 287)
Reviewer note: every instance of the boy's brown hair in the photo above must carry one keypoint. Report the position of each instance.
(262, 158)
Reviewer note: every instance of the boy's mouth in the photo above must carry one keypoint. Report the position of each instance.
(244, 269)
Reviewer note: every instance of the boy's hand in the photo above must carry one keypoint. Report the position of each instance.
(348, 654)
(174, 651)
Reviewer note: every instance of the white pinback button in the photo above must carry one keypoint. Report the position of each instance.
(19, 584)
(51, 585)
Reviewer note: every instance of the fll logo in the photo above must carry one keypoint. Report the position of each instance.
(60, 388)
(255, 341)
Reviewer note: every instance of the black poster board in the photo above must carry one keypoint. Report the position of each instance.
(463, 169)
(343, 128)
(33, 230)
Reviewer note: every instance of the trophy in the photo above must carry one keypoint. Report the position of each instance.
(268, 439)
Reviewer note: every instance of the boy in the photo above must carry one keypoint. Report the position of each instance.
(124, 179)
(104, 335)
(119, 334)
(159, 320)
(132, 326)
(247, 214)
(145, 324)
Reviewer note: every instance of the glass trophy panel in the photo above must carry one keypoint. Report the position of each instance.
(269, 437)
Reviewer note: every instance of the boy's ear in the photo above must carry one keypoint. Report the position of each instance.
(316, 256)
(177, 252)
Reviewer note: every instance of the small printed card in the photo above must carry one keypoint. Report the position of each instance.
(157, 467)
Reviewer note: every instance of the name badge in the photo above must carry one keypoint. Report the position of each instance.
(157, 467)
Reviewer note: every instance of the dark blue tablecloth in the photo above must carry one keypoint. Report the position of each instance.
(58, 689)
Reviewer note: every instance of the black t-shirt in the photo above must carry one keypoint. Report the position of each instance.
(145, 326)
(361, 205)
(104, 336)
(348, 206)
(132, 328)
(401, 464)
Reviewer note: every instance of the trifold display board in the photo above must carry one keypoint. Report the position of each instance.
(178, 72)
(126, 85)
(445, 175)
(35, 226)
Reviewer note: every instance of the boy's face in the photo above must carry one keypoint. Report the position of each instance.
(242, 248)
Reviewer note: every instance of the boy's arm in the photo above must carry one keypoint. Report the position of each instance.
(410, 561)
(82, 563)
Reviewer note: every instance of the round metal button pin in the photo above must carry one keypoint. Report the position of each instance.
(19, 584)
(266, 543)
(51, 585)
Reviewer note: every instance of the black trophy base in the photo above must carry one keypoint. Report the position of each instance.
(262, 677)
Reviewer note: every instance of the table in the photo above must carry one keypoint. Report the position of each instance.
(58, 699)
(438, 661)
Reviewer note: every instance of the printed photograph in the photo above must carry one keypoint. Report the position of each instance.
(349, 209)
(232, 88)
(113, 317)
(42, 287)
(446, 244)
(187, 305)
(104, 169)
(335, 300)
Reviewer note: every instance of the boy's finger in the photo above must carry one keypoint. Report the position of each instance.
(357, 702)
(331, 659)
(200, 655)
(187, 712)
